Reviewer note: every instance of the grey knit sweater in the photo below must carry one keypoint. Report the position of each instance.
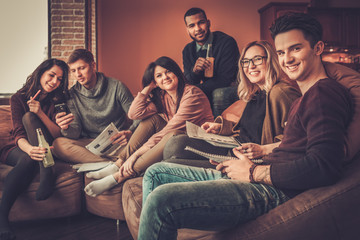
(94, 109)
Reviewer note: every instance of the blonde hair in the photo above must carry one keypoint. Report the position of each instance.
(246, 90)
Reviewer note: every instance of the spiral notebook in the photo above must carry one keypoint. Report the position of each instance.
(216, 157)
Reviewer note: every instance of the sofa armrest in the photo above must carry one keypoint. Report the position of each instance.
(5, 125)
(330, 212)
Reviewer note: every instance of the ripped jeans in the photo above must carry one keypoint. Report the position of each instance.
(179, 196)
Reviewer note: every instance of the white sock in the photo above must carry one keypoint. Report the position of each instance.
(99, 186)
(106, 171)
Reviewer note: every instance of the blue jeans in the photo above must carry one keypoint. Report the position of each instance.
(178, 196)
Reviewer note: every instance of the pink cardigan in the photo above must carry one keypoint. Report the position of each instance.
(194, 107)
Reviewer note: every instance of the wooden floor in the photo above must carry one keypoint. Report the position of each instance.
(83, 227)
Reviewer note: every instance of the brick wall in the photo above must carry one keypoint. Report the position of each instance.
(72, 26)
(92, 44)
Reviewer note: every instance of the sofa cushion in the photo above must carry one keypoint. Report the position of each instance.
(132, 203)
(351, 80)
(5, 125)
(108, 204)
(65, 200)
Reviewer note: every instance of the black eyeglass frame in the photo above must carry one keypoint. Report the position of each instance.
(252, 60)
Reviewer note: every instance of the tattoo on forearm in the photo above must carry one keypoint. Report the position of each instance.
(262, 175)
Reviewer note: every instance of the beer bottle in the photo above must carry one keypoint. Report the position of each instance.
(209, 72)
(48, 160)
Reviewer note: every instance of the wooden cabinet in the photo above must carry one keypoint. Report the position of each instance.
(330, 20)
(272, 11)
(341, 26)
(351, 29)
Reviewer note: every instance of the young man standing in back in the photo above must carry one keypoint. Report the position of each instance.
(225, 55)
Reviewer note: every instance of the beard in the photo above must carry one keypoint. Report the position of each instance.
(205, 38)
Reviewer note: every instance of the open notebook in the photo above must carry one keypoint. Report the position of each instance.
(194, 131)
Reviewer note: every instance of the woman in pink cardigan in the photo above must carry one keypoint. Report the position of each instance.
(164, 105)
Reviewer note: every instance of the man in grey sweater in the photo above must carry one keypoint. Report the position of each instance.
(95, 101)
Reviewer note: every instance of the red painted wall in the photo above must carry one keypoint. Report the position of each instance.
(133, 33)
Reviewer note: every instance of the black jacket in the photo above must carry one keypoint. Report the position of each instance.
(226, 54)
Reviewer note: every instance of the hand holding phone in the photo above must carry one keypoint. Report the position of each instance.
(63, 116)
(62, 107)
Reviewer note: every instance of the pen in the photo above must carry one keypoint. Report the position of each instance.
(38, 92)
(236, 140)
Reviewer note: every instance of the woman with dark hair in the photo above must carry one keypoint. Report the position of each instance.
(32, 107)
(164, 105)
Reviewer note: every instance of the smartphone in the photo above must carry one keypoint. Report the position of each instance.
(62, 107)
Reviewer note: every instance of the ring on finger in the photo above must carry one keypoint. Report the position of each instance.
(245, 151)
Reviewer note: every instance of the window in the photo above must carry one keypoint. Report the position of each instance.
(23, 41)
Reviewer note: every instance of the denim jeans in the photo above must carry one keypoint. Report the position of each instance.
(178, 196)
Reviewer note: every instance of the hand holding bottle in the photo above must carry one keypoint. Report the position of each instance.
(37, 153)
(48, 159)
(201, 65)
(209, 71)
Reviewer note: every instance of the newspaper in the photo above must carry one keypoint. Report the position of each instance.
(102, 144)
(85, 167)
(195, 131)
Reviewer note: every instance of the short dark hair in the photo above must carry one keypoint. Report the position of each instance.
(193, 11)
(310, 27)
(82, 54)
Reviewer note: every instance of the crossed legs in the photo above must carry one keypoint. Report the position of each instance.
(24, 171)
(110, 176)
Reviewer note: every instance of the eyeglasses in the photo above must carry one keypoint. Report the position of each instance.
(257, 60)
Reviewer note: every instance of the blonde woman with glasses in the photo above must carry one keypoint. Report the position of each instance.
(257, 119)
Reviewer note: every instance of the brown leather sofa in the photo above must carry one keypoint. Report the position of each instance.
(324, 213)
(68, 197)
(331, 212)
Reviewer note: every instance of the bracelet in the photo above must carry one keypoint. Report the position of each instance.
(251, 172)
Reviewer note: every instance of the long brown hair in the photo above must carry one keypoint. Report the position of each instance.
(32, 84)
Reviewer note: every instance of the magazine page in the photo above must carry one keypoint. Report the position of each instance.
(85, 167)
(195, 131)
(102, 144)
